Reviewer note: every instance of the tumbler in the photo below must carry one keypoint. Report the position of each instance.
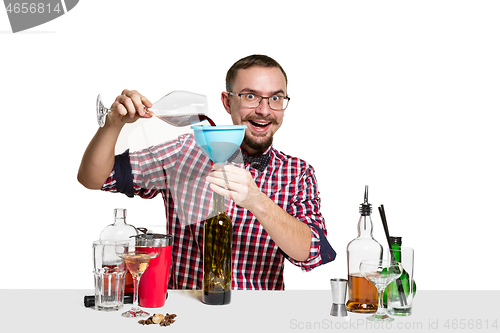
(109, 277)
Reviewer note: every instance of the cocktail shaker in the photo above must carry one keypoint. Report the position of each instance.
(154, 281)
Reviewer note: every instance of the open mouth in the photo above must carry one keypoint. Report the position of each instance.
(259, 125)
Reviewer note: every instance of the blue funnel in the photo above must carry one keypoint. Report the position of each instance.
(219, 142)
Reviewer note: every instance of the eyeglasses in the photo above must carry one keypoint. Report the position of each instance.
(252, 101)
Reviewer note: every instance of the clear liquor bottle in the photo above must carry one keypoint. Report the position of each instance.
(119, 231)
(362, 294)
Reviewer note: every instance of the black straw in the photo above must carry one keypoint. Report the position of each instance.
(402, 296)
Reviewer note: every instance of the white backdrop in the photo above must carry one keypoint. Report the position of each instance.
(402, 96)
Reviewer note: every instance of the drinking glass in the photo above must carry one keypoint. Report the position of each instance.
(380, 273)
(109, 277)
(137, 259)
(178, 108)
(398, 296)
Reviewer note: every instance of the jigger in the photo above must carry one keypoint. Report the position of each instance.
(339, 289)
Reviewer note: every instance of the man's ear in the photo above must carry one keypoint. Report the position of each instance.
(225, 101)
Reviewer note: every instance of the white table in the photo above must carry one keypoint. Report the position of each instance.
(250, 311)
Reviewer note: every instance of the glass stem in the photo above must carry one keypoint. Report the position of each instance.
(137, 279)
(380, 298)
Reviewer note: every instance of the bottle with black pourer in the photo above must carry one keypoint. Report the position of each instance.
(362, 294)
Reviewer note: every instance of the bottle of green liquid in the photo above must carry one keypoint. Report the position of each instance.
(400, 292)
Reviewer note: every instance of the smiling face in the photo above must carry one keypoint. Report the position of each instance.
(262, 122)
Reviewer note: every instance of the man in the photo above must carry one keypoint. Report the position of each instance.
(274, 206)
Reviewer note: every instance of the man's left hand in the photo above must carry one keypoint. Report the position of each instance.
(234, 183)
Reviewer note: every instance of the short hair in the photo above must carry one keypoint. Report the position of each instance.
(250, 61)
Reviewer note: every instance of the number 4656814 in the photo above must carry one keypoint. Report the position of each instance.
(32, 8)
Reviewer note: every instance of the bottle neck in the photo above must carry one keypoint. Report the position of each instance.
(120, 216)
(365, 226)
(396, 251)
(219, 204)
(119, 221)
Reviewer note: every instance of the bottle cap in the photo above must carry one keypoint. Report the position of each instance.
(89, 301)
(393, 240)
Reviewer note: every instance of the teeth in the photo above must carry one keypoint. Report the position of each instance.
(258, 123)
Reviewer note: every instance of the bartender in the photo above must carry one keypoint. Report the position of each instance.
(274, 200)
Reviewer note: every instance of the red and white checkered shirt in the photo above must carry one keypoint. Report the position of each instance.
(177, 170)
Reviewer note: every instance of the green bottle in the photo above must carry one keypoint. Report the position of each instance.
(399, 289)
(217, 252)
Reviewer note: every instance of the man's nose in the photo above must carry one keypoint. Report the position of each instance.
(263, 108)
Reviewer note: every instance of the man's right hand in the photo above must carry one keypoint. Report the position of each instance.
(128, 107)
(98, 160)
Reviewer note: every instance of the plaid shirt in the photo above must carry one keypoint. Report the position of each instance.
(177, 170)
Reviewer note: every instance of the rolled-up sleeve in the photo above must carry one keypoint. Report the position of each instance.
(121, 179)
(144, 172)
(305, 207)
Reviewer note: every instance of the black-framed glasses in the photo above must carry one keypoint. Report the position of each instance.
(252, 101)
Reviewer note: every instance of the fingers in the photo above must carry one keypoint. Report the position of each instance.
(131, 103)
(222, 191)
(227, 174)
(232, 182)
(221, 181)
(227, 168)
(231, 179)
(233, 191)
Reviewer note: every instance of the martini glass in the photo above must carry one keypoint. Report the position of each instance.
(380, 273)
(178, 108)
(137, 259)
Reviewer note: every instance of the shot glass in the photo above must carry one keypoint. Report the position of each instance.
(109, 277)
(339, 289)
(400, 293)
